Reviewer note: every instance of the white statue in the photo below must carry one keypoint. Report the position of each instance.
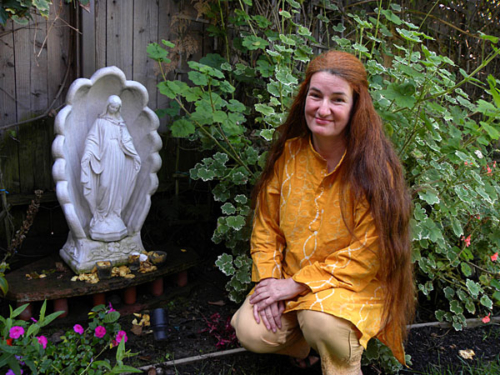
(105, 167)
(110, 165)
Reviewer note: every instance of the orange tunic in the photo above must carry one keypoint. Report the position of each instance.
(299, 232)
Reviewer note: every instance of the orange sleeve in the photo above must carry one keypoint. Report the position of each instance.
(267, 241)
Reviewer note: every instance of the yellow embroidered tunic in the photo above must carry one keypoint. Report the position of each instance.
(298, 232)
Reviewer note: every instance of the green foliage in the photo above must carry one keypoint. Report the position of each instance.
(445, 139)
(77, 353)
(19, 10)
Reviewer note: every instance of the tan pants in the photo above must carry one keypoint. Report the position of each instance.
(335, 339)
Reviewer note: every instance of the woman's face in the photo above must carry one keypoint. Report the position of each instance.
(328, 106)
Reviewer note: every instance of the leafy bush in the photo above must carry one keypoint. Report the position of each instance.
(78, 352)
(445, 139)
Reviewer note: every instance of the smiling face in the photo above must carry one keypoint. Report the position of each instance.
(328, 107)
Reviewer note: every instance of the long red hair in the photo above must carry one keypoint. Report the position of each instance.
(371, 170)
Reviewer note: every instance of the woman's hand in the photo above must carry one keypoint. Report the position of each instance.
(271, 315)
(268, 298)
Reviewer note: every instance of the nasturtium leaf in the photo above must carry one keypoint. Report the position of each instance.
(225, 264)
(456, 307)
(486, 301)
(466, 269)
(235, 106)
(182, 128)
(473, 287)
(253, 42)
(198, 78)
(492, 132)
(156, 52)
(228, 209)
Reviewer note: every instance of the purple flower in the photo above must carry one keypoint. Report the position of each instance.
(100, 331)
(78, 329)
(121, 335)
(110, 306)
(19, 359)
(16, 332)
(11, 372)
(42, 340)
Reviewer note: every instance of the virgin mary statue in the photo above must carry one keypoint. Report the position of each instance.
(110, 165)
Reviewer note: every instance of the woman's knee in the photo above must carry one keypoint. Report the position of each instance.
(330, 334)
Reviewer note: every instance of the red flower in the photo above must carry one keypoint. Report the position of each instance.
(9, 342)
(486, 319)
(494, 257)
(488, 170)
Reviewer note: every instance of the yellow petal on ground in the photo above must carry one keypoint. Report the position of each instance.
(467, 354)
(42, 276)
(74, 278)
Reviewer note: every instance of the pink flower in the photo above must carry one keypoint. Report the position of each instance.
(42, 340)
(100, 331)
(78, 329)
(494, 257)
(121, 335)
(110, 306)
(34, 320)
(16, 332)
(465, 163)
(486, 319)
(495, 164)
(467, 241)
(488, 169)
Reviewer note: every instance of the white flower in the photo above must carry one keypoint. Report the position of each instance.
(478, 154)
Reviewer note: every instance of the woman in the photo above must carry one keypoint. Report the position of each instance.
(330, 242)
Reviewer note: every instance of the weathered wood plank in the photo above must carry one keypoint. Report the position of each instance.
(89, 40)
(7, 76)
(38, 68)
(58, 51)
(119, 35)
(145, 32)
(100, 15)
(22, 51)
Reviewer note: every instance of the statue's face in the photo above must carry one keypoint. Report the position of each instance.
(113, 108)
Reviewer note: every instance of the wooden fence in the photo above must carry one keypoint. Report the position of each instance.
(40, 60)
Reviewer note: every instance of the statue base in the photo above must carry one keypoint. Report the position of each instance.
(81, 255)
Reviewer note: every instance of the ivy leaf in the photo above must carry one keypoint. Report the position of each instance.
(470, 306)
(240, 198)
(456, 307)
(473, 287)
(430, 196)
(486, 301)
(182, 128)
(439, 315)
(228, 209)
(236, 222)
(457, 227)
(466, 269)
(264, 109)
(225, 264)
(449, 292)
(285, 77)
(206, 174)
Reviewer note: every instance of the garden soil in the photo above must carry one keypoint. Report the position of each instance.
(198, 325)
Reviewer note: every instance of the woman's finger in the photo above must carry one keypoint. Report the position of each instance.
(256, 314)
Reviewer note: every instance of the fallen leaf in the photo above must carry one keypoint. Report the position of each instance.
(60, 267)
(217, 303)
(136, 329)
(145, 357)
(183, 250)
(152, 371)
(467, 354)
